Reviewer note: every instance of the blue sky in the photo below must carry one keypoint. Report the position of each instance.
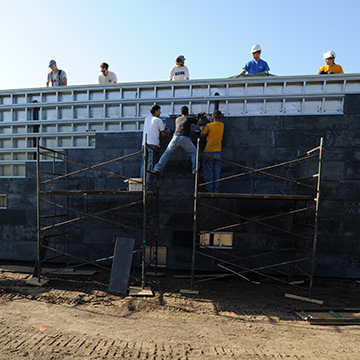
(140, 38)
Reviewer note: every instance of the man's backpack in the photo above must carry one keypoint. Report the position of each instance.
(53, 80)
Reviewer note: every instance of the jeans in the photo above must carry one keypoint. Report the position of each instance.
(176, 142)
(212, 169)
(152, 156)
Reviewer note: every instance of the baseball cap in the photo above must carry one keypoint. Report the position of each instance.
(52, 62)
(180, 58)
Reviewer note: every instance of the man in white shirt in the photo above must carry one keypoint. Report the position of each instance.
(179, 71)
(153, 127)
(106, 76)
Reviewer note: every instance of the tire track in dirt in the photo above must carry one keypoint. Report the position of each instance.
(16, 344)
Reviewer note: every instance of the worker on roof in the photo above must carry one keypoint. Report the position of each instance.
(106, 76)
(256, 65)
(56, 76)
(330, 67)
(179, 71)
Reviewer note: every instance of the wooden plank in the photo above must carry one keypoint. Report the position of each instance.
(120, 270)
(256, 196)
(17, 268)
(187, 291)
(35, 281)
(297, 282)
(198, 276)
(331, 316)
(152, 273)
(70, 271)
(90, 192)
(321, 315)
(350, 315)
(52, 271)
(138, 291)
(301, 298)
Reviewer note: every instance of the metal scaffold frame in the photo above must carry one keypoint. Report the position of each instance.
(59, 208)
(299, 242)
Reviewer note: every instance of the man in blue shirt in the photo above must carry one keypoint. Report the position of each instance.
(256, 65)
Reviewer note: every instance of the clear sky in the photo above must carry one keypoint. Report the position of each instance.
(140, 39)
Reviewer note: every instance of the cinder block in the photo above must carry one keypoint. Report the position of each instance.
(352, 104)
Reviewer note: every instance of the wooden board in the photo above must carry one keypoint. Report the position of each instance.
(52, 271)
(151, 273)
(331, 316)
(256, 196)
(120, 270)
(138, 291)
(188, 291)
(70, 271)
(301, 298)
(35, 281)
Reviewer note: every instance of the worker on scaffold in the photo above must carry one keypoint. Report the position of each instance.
(153, 127)
(181, 138)
(213, 131)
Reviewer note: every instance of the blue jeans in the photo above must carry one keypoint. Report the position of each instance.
(151, 159)
(212, 169)
(176, 142)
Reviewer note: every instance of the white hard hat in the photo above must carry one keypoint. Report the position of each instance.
(255, 48)
(329, 54)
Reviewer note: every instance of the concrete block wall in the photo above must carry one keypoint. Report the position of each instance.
(18, 221)
(251, 141)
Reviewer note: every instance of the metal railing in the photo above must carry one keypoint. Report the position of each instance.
(69, 117)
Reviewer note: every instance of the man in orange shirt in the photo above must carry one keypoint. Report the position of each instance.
(330, 67)
(212, 167)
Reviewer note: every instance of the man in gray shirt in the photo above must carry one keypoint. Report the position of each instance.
(181, 138)
(56, 76)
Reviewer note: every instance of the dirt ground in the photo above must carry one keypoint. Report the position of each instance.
(74, 317)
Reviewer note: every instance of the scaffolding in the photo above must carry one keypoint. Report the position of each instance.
(292, 221)
(61, 206)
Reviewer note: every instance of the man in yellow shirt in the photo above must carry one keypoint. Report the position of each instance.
(212, 167)
(330, 67)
